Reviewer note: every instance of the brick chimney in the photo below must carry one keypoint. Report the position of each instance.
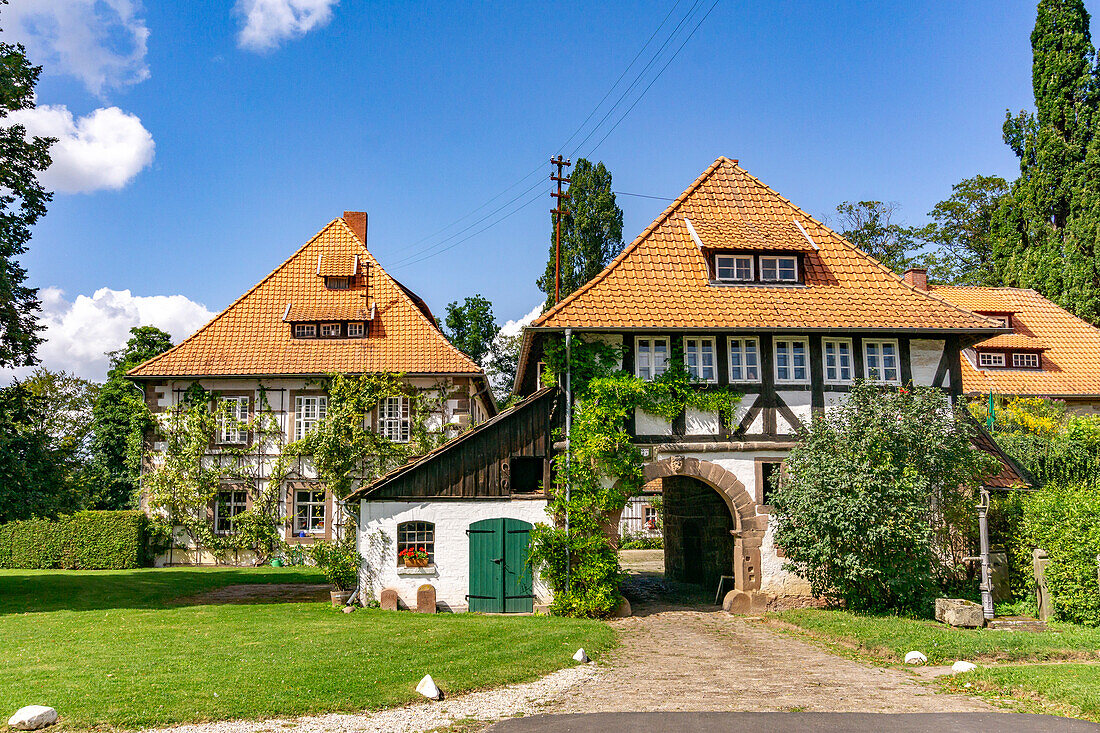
(357, 220)
(915, 276)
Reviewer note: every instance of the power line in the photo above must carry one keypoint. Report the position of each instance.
(642, 195)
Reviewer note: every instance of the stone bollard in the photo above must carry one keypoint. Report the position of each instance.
(425, 598)
(1040, 560)
(389, 599)
(737, 602)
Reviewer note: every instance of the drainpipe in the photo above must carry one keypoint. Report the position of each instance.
(568, 426)
(983, 548)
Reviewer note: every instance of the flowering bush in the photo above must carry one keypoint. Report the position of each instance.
(414, 553)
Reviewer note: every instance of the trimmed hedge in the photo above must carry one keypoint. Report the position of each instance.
(92, 540)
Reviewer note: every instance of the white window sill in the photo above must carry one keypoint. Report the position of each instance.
(426, 570)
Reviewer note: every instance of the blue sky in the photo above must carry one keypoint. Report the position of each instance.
(418, 113)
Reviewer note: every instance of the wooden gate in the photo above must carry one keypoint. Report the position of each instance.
(500, 579)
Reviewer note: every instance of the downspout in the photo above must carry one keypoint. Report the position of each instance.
(568, 427)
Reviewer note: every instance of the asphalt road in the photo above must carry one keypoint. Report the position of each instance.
(794, 723)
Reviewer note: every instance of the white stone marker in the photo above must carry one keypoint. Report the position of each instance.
(428, 688)
(963, 667)
(33, 717)
(580, 656)
(915, 657)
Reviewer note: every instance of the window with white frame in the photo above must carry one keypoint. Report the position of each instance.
(990, 359)
(880, 359)
(1025, 360)
(744, 359)
(837, 354)
(699, 358)
(233, 419)
(779, 269)
(305, 330)
(308, 411)
(356, 329)
(227, 505)
(792, 360)
(733, 267)
(309, 511)
(393, 419)
(416, 536)
(330, 330)
(650, 357)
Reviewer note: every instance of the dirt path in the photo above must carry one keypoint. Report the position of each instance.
(688, 657)
(258, 593)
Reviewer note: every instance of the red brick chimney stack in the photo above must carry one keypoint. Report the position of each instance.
(357, 220)
(917, 277)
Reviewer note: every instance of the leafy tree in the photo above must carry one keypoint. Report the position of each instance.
(121, 419)
(34, 470)
(470, 326)
(961, 231)
(22, 203)
(1046, 231)
(68, 399)
(877, 496)
(591, 231)
(870, 226)
(502, 363)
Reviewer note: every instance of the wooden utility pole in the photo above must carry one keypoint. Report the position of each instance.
(558, 210)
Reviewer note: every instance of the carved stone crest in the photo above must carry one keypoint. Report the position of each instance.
(676, 463)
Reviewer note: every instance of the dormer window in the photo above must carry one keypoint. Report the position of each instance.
(356, 330)
(337, 283)
(330, 330)
(779, 269)
(991, 359)
(305, 330)
(1004, 320)
(734, 268)
(1026, 360)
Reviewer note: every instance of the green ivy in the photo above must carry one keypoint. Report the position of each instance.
(603, 468)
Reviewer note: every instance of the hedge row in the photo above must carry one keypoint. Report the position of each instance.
(92, 540)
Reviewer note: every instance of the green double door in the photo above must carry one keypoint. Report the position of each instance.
(500, 579)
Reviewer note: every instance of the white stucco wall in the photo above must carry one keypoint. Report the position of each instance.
(924, 357)
(799, 402)
(450, 574)
(646, 424)
(697, 422)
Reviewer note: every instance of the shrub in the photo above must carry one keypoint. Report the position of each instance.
(339, 561)
(1064, 522)
(640, 541)
(92, 540)
(876, 505)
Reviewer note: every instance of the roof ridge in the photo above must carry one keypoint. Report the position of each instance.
(661, 218)
(240, 298)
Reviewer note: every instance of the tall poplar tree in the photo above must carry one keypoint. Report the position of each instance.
(1045, 233)
(591, 231)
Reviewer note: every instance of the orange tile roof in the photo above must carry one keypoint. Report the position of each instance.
(660, 279)
(1071, 362)
(1012, 341)
(250, 337)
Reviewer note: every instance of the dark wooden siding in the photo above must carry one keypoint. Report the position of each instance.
(476, 464)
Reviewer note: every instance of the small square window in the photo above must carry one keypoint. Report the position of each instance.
(744, 360)
(792, 360)
(415, 537)
(305, 330)
(330, 330)
(356, 329)
(1026, 360)
(880, 359)
(309, 511)
(733, 268)
(779, 269)
(990, 359)
(699, 358)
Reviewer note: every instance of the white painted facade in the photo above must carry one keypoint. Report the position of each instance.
(450, 572)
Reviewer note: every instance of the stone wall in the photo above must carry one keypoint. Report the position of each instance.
(699, 548)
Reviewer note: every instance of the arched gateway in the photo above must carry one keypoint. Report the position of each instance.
(711, 527)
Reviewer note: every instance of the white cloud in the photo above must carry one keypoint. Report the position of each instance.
(101, 42)
(103, 149)
(267, 23)
(79, 334)
(511, 328)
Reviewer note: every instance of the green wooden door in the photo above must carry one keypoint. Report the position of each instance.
(500, 580)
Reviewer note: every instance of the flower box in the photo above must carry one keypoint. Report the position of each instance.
(416, 562)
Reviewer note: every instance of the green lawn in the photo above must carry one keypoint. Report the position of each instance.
(110, 648)
(889, 638)
(1068, 689)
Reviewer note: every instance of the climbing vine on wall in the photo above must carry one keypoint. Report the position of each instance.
(604, 467)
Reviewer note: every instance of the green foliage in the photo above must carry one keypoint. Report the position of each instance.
(877, 497)
(591, 230)
(603, 468)
(471, 326)
(1065, 521)
(339, 561)
(22, 202)
(502, 364)
(870, 226)
(961, 231)
(640, 541)
(38, 475)
(88, 540)
(121, 420)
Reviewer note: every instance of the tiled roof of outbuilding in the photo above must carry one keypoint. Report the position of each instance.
(251, 337)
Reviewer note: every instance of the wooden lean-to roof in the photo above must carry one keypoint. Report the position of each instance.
(1070, 346)
(253, 336)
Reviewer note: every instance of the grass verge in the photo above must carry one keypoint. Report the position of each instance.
(109, 649)
(1059, 689)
